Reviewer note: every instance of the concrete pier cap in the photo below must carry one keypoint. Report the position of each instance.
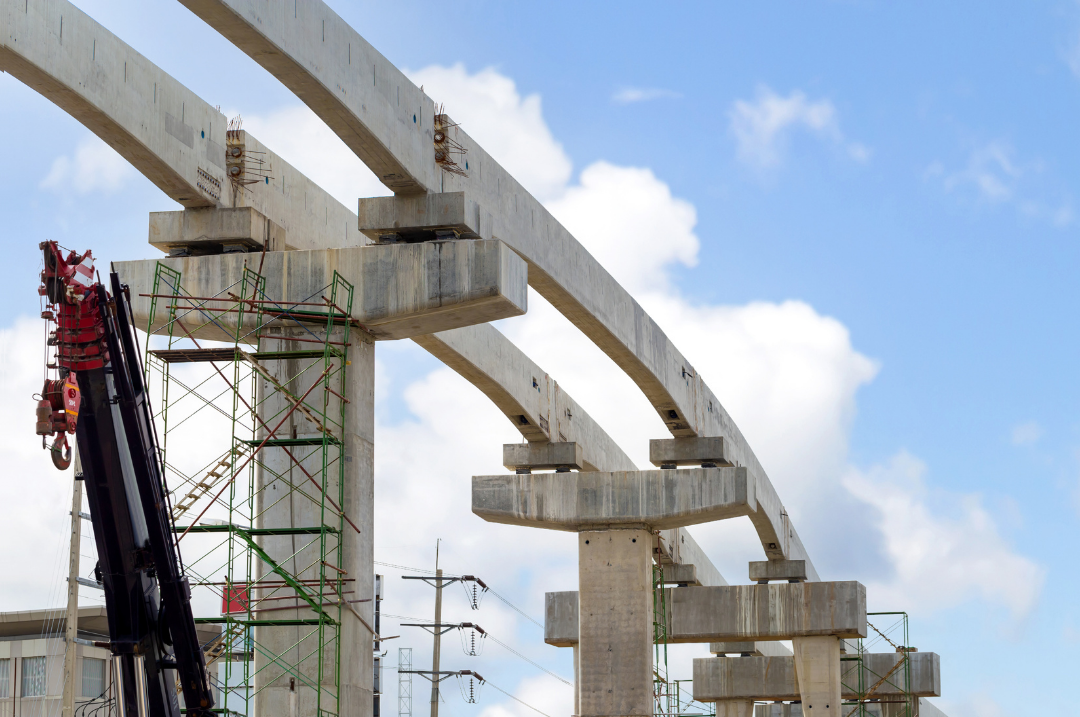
(658, 499)
(400, 290)
(775, 679)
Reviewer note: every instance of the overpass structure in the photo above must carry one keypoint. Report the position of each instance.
(450, 251)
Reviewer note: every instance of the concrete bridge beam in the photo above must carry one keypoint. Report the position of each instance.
(775, 679)
(400, 291)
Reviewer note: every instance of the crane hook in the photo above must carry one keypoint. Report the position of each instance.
(61, 452)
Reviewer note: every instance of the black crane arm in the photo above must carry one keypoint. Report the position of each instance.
(147, 597)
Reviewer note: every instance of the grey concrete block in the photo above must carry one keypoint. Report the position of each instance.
(577, 501)
(740, 614)
(561, 618)
(419, 217)
(542, 456)
(692, 451)
(764, 648)
(680, 574)
(774, 678)
(209, 229)
(874, 709)
(399, 290)
(767, 612)
(778, 570)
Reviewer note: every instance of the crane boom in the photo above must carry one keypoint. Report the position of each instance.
(148, 599)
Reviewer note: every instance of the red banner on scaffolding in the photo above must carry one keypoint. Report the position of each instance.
(234, 600)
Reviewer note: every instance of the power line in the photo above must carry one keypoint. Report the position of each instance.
(515, 699)
(412, 570)
(539, 667)
(511, 605)
(516, 609)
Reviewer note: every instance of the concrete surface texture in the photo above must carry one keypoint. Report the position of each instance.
(774, 678)
(298, 554)
(400, 291)
(561, 629)
(545, 456)
(777, 611)
(660, 499)
(737, 613)
(694, 451)
(766, 570)
(874, 709)
(279, 505)
(615, 653)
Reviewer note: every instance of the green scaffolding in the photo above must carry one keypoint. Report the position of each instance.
(671, 697)
(252, 423)
(879, 693)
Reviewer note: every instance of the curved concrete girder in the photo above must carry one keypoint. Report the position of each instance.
(529, 398)
(154, 122)
(173, 137)
(387, 121)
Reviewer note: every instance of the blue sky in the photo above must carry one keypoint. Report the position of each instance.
(904, 171)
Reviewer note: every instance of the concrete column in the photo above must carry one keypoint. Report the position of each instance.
(357, 658)
(278, 506)
(735, 708)
(577, 682)
(616, 619)
(817, 668)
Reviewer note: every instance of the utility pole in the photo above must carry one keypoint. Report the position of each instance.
(72, 621)
(376, 706)
(438, 628)
(438, 637)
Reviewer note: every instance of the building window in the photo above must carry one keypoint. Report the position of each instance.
(33, 677)
(5, 678)
(93, 677)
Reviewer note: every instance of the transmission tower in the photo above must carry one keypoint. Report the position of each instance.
(404, 689)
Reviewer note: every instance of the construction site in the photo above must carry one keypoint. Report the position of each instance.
(212, 407)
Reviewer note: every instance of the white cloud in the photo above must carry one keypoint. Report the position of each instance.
(511, 128)
(37, 497)
(941, 561)
(303, 140)
(994, 176)
(980, 704)
(1026, 434)
(630, 95)
(762, 127)
(93, 167)
(991, 170)
(628, 220)
(541, 693)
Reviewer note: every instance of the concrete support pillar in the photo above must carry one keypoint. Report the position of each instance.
(616, 619)
(577, 682)
(357, 658)
(286, 498)
(735, 708)
(817, 669)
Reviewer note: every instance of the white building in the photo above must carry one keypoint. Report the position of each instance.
(32, 663)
